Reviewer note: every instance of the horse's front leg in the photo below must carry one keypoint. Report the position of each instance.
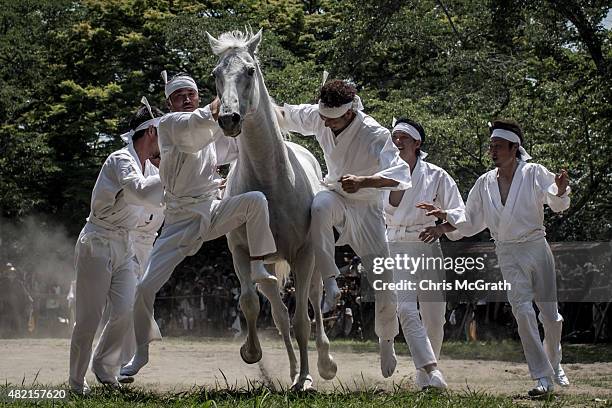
(249, 300)
(280, 314)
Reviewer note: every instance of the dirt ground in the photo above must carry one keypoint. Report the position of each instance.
(178, 364)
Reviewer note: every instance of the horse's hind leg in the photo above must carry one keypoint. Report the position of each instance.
(302, 267)
(249, 304)
(280, 314)
(325, 362)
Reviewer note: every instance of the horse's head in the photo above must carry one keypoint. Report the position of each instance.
(236, 77)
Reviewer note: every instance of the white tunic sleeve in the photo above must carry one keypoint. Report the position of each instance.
(472, 221)
(450, 199)
(189, 132)
(138, 189)
(302, 119)
(226, 148)
(393, 167)
(547, 188)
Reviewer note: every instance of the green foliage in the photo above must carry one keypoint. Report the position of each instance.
(456, 65)
(72, 72)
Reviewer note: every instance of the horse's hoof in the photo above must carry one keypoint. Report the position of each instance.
(249, 357)
(302, 384)
(327, 367)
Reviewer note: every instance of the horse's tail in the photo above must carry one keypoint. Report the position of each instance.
(282, 270)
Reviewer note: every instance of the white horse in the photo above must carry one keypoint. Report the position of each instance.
(289, 176)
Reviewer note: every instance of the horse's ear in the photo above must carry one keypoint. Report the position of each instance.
(254, 42)
(214, 43)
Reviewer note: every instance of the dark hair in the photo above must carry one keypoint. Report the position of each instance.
(510, 125)
(140, 117)
(337, 93)
(418, 127)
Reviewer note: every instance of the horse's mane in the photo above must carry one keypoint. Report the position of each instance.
(232, 39)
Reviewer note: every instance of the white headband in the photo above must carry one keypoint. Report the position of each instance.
(127, 137)
(511, 137)
(407, 128)
(338, 111)
(410, 130)
(325, 75)
(178, 83)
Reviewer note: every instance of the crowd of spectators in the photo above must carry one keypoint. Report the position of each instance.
(28, 306)
(202, 299)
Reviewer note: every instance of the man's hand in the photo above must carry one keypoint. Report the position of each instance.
(562, 182)
(431, 234)
(215, 105)
(351, 184)
(432, 210)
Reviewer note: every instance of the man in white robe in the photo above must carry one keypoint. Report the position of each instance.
(189, 157)
(104, 254)
(423, 327)
(361, 161)
(150, 221)
(509, 201)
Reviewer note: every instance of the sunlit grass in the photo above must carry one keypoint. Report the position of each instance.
(258, 395)
(503, 350)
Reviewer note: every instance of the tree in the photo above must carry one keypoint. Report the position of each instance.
(72, 73)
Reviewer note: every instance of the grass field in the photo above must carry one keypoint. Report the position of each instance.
(261, 396)
(198, 372)
(503, 350)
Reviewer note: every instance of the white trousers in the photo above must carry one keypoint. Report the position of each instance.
(366, 237)
(105, 269)
(423, 327)
(181, 236)
(529, 267)
(142, 251)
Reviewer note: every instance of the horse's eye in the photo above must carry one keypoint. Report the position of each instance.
(213, 74)
(251, 71)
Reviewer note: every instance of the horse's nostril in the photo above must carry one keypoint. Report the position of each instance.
(235, 117)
